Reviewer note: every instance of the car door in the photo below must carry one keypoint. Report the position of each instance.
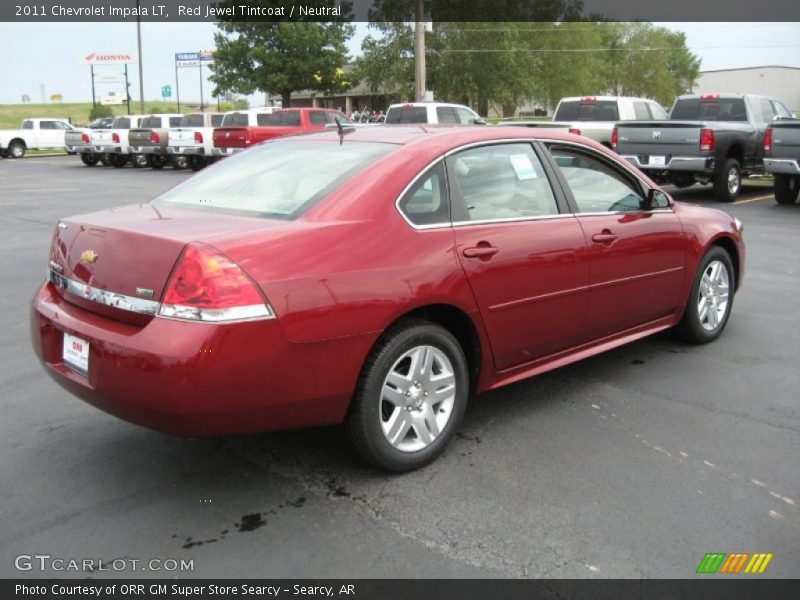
(638, 255)
(49, 135)
(524, 254)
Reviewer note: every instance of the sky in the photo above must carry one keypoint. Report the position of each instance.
(54, 59)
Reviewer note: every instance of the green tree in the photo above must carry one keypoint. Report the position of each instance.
(280, 57)
(100, 111)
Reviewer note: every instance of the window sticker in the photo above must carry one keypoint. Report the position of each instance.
(522, 166)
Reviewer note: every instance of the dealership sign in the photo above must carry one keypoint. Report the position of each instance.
(194, 59)
(106, 58)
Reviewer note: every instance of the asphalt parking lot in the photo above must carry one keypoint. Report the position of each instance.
(634, 463)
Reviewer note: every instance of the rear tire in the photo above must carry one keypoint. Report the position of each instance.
(410, 397)
(156, 162)
(179, 162)
(16, 149)
(119, 160)
(139, 161)
(728, 181)
(787, 188)
(105, 160)
(701, 326)
(90, 159)
(196, 163)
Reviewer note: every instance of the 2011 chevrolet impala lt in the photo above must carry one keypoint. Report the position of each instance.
(375, 277)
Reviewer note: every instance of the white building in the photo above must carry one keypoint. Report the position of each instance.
(782, 83)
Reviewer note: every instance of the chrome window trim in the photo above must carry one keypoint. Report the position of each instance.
(623, 163)
(105, 297)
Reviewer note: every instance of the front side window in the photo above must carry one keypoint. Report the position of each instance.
(27, 124)
(659, 114)
(445, 114)
(640, 111)
(467, 117)
(279, 179)
(47, 125)
(426, 203)
(595, 185)
(767, 111)
(782, 111)
(503, 181)
(317, 117)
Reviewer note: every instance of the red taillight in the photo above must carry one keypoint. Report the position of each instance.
(198, 137)
(115, 138)
(614, 137)
(588, 100)
(768, 139)
(208, 286)
(154, 138)
(248, 137)
(574, 131)
(709, 97)
(85, 138)
(706, 140)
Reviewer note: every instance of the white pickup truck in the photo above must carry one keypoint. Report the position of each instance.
(194, 139)
(432, 113)
(35, 134)
(112, 144)
(250, 117)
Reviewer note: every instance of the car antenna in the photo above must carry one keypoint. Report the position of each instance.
(343, 130)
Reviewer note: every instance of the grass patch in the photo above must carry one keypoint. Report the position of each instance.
(11, 115)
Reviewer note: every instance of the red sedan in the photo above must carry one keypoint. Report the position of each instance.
(375, 277)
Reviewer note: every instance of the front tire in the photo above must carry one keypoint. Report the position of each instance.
(710, 299)
(410, 397)
(728, 181)
(16, 149)
(787, 188)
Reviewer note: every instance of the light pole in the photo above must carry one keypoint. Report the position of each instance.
(419, 51)
(141, 71)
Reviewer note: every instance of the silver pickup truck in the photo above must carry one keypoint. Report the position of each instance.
(151, 139)
(782, 158)
(79, 141)
(709, 138)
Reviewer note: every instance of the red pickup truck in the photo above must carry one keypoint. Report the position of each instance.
(288, 121)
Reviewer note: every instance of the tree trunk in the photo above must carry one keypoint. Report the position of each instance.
(286, 99)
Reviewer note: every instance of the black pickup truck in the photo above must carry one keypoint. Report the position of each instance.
(782, 158)
(709, 138)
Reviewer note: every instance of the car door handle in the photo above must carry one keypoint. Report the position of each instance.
(605, 237)
(480, 251)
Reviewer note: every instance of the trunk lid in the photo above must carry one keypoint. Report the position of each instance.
(785, 140)
(232, 137)
(131, 251)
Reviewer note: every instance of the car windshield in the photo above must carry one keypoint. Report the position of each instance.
(588, 110)
(192, 121)
(235, 120)
(150, 123)
(279, 179)
(407, 114)
(711, 109)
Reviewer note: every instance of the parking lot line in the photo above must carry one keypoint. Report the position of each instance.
(757, 199)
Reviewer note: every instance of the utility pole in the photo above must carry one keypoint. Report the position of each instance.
(419, 51)
(127, 90)
(91, 70)
(200, 69)
(141, 71)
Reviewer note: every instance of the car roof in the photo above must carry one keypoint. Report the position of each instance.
(444, 136)
(434, 104)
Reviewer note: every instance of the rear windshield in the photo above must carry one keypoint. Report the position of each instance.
(121, 123)
(407, 114)
(235, 120)
(578, 110)
(279, 179)
(284, 118)
(150, 123)
(707, 109)
(192, 121)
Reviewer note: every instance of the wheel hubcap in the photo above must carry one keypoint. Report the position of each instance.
(733, 181)
(16, 151)
(417, 398)
(712, 298)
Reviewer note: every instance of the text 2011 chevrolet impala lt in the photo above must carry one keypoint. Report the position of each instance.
(376, 277)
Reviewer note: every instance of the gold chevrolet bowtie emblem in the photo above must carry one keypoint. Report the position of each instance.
(88, 257)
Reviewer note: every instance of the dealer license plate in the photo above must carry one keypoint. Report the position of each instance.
(76, 353)
(658, 161)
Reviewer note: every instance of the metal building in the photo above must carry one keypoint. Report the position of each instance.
(782, 83)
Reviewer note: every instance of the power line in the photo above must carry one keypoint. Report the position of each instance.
(652, 49)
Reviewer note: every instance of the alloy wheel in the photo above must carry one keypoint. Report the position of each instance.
(712, 296)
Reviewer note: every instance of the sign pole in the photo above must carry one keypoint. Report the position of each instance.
(127, 89)
(177, 86)
(91, 70)
(200, 69)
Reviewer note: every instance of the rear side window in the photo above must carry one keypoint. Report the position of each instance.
(503, 181)
(216, 120)
(709, 109)
(236, 120)
(192, 121)
(407, 114)
(279, 179)
(317, 117)
(587, 110)
(426, 203)
(446, 114)
(595, 186)
(641, 112)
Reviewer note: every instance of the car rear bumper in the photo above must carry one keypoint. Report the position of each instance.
(81, 149)
(225, 151)
(111, 150)
(195, 379)
(186, 150)
(159, 150)
(782, 166)
(694, 164)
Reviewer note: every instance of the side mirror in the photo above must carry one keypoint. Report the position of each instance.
(478, 121)
(657, 199)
